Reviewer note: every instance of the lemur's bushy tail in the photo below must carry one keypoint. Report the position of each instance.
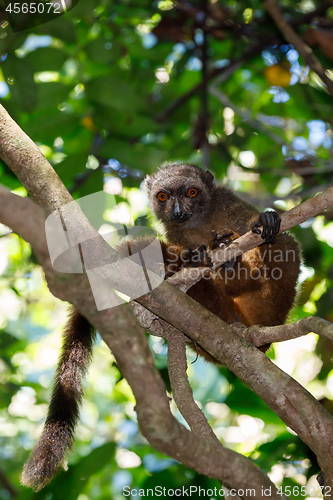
(48, 456)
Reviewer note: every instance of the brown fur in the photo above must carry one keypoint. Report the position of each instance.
(238, 297)
(47, 458)
(232, 295)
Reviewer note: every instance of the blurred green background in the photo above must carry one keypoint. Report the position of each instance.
(103, 92)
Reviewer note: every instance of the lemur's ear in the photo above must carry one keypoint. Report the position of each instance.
(208, 178)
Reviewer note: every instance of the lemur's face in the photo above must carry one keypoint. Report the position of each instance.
(179, 195)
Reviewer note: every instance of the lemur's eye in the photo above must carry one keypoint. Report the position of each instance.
(192, 192)
(162, 196)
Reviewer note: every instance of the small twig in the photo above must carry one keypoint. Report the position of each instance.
(245, 115)
(204, 95)
(325, 168)
(226, 71)
(261, 335)
(234, 65)
(302, 48)
(256, 335)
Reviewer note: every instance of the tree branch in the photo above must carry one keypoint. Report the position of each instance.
(121, 332)
(261, 335)
(277, 389)
(224, 73)
(6, 485)
(187, 277)
(181, 389)
(27, 162)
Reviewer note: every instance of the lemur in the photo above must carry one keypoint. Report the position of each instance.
(257, 288)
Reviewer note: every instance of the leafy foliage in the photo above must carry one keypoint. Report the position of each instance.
(103, 91)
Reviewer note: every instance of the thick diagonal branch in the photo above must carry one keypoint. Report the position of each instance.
(289, 400)
(121, 332)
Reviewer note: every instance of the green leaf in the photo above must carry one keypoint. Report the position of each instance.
(23, 88)
(61, 28)
(113, 92)
(46, 59)
(93, 184)
(71, 167)
(98, 50)
(138, 156)
(51, 94)
(244, 401)
(69, 484)
(45, 127)
(275, 451)
(124, 122)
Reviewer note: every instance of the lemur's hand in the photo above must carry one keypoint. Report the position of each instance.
(270, 222)
(224, 239)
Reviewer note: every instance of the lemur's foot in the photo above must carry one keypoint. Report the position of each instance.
(223, 239)
(196, 258)
(270, 222)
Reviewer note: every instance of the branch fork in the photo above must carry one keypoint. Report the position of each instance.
(166, 311)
